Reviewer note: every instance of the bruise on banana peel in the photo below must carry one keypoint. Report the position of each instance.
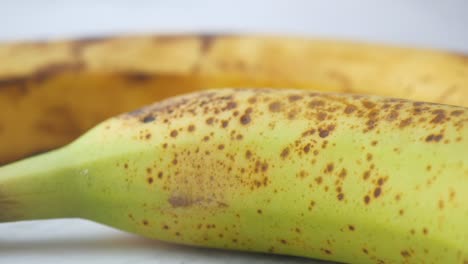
(78, 76)
(348, 178)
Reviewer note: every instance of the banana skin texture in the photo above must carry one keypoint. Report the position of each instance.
(52, 92)
(348, 178)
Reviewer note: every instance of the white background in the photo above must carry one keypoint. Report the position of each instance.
(422, 23)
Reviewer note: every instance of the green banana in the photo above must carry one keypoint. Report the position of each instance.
(349, 178)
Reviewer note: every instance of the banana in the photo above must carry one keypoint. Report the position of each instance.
(341, 177)
(52, 92)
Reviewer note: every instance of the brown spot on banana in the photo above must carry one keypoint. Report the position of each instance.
(180, 201)
(78, 45)
(463, 58)
(440, 116)
(434, 138)
(51, 70)
(148, 118)
(245, 119)
(207, 42)
(406, 122)
(350, 109)
(19, 82)
(187, 201)
(136, 77)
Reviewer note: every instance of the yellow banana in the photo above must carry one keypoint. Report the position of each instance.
(349, 178)
(51, 92)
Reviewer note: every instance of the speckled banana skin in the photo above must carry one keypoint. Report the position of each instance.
(348, 178)
(52, 92)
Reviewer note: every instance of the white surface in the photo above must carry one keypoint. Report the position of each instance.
(426, 23)
(71, 241)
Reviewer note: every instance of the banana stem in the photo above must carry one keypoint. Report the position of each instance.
(37, 188)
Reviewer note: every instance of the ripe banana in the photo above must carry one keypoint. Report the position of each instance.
(348, 178)
(52, 92)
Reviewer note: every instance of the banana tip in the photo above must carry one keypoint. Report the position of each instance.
(6, 206)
